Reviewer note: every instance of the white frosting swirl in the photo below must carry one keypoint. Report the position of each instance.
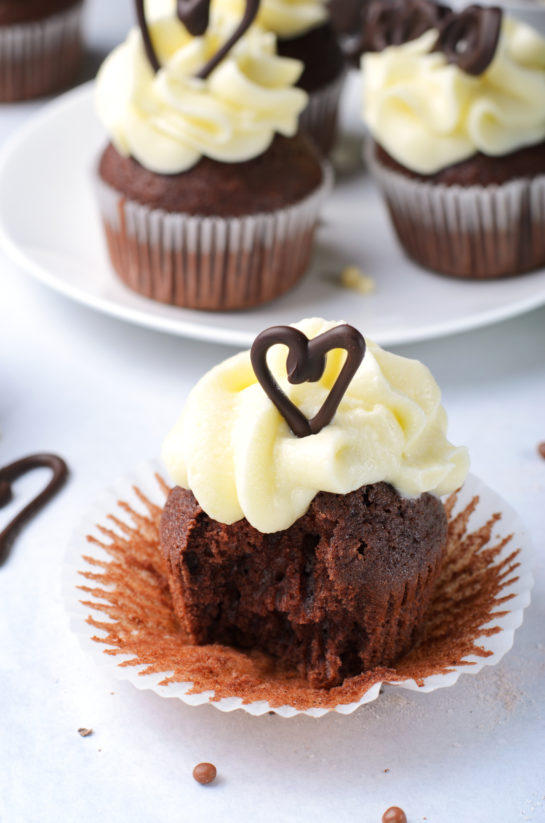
(429, 114)
(169, 120)
(285, 18)
(233, 449)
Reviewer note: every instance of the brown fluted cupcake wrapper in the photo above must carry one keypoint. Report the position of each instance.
(467, 231)
(123, 615)
(40, 57)
(319, 119)
(210, 263)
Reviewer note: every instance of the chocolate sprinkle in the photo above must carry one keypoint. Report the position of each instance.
(306, 362)
(204, 773)
(394, 815)
(195, 15)
(9, 474)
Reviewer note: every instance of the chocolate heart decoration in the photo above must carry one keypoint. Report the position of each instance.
(14, 470)
(393, 22)
(470, 39)
(195, 15)
(306, 361)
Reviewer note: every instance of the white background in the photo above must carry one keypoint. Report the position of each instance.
(103, 394)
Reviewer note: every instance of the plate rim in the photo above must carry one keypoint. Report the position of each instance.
(206, 331)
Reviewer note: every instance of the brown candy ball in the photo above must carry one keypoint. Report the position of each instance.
(204, 773)
(394, 815)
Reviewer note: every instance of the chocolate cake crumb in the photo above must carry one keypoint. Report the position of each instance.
(85, 732)
(394, 815)
(204, 773)
(541, 449)
(130, 589)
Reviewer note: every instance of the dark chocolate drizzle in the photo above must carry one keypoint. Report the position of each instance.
(307, 361)
(9, 474)
(195, 15)
(468, 38)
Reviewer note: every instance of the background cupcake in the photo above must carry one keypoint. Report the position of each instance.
(208, 199)
(40, 46)
(320, 549)
(456, 110)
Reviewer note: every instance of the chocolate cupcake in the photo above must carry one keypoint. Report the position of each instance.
(40, 46)
(209, 198)
(455, 104)
(307, 521)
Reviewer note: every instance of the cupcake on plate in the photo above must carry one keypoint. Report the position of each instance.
(40, 46)
(304, 32)
(455, 105)
(306, 522)
(209, 197)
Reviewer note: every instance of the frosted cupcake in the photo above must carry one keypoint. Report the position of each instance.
(306, 522)
(209, 197)
(455, 104)
(304, 32)
(40, 46)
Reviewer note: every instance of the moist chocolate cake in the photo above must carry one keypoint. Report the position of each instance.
(340, 591)
(285, 174)
(479, 169)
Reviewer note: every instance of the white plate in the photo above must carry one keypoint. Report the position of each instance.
(49, 225)
(517, 592)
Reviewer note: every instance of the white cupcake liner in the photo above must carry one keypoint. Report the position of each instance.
(468, 231)
(319, 118)
(41, 56)
(215, 263)
(513, 598)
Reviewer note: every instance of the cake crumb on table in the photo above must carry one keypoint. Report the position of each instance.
(353, 278)
(541, 449)
(204, 773)
(83, 732)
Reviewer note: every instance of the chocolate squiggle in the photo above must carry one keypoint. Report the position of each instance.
(9, 474)
(306, 362)
(195, 15)
(468, 38)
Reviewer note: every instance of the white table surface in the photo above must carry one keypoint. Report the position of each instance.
(103, 394)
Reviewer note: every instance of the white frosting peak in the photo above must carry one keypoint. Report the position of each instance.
(285, 18)
(429, 114)
(169, 120)
(233, 449)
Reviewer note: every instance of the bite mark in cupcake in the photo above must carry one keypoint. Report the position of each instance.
(314, 538)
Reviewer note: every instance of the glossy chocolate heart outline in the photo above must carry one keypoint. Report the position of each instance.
(12, 472)
(195, 15)
(306, 361)
(468, 39)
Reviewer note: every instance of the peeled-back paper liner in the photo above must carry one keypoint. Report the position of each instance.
(473, 231)
(210, 262)
(319, 118)
(496, 638)
(40, 56)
